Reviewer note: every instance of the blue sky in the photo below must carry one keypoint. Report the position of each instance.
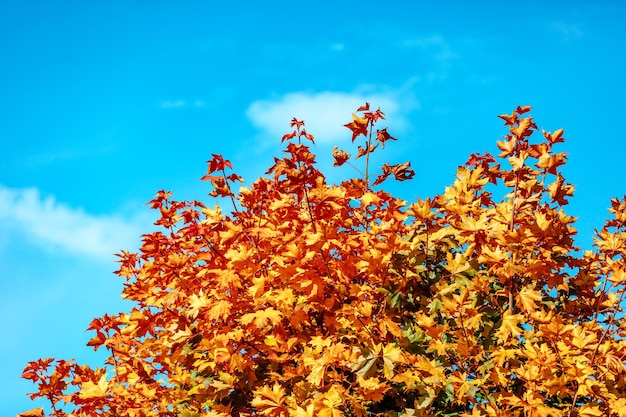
(104, 103)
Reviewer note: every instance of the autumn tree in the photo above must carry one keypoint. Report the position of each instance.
(305, 298)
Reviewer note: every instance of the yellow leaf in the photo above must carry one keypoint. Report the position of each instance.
(91, 390)
(588, 410)
(220, 310)
(262, 317)
(583, 339)
(369, 198)
(542, 221)
(527, 297)
(390, 354)
(373, 388)
(197, 302)
(463, 387)
(457, 263)
(35, 412)
(270, 341)
(332, 404)
(268, 400)
(301, 412)
(316, 374)
(618, 406)
(509, 327)
(315, 364)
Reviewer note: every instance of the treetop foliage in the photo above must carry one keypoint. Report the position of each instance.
(314, 299)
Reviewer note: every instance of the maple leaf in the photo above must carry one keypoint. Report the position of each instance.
(509, 119)
(262, 317)
(528, 297)
(588, 410)
(302, 412)
(307, 136)
(218, 163)
(373, 388)
(90, 390)
(551, 162)
(383, 136)
(297, 123)
(364, 107)
(35, 412)
(524, 128)
(373, 116)
(288, 136)
(340, 157)
(509, 327)
(369, 199)
(220, 310)
(358, 126)
(402, 172)
(464, 388)
(332, 404)
(269, 400)
(554, 137)
(381, 178)
(390, 354)
(559, 190)
(364, 151)
(197, 302)
(507, 146)
(582, 339)
(159, 199)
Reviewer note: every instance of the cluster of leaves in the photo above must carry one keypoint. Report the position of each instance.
(312, 299)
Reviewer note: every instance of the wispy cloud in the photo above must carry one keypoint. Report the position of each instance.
(174, 104)
(435, 45)
(325, 113)
(436, 53)
(50, 224)
(568, 31)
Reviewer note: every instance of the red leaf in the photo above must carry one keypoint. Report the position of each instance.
(366, 106)
(363, 151)
(383, 136)
(382, 177)
(288, 136)
(307, 135)
(402, 171)
(218, 163)
(297, 123)
(340, 156)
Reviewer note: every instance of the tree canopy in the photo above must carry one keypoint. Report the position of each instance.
(313, 299)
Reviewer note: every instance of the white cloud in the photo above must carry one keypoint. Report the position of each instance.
(325, 113)
(50, 224)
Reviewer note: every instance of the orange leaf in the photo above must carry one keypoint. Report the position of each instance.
(297, 123)
(288, 136)
(340, 157)
(358, 126)
(35, 412)
(262, 317)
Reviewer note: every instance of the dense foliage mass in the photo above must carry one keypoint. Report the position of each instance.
(312, 299)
